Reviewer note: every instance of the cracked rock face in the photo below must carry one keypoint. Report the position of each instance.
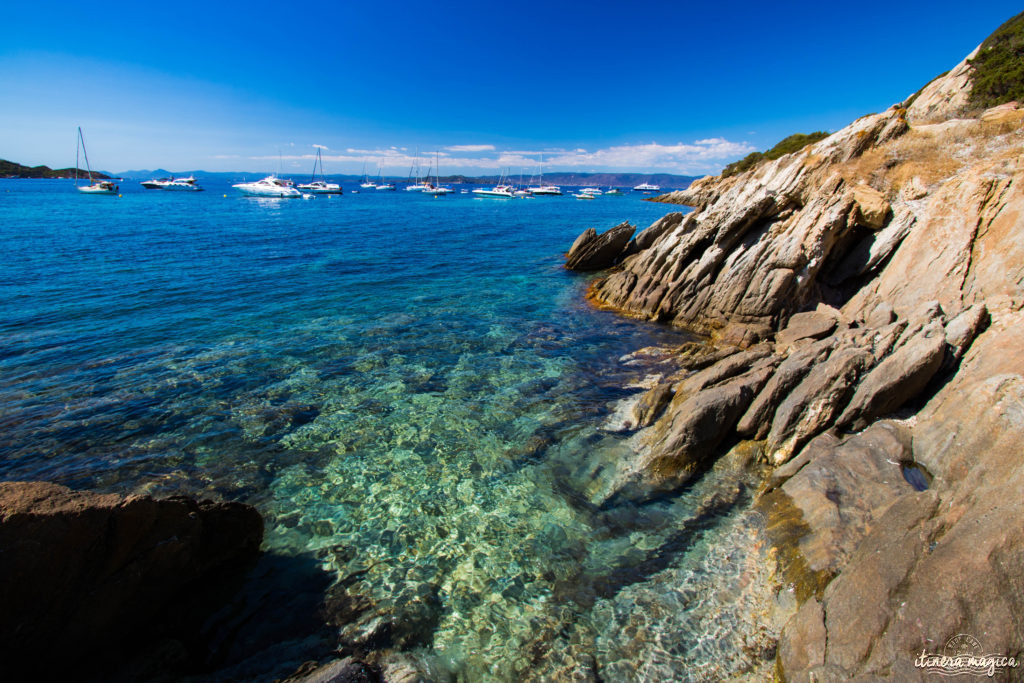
(875, 282)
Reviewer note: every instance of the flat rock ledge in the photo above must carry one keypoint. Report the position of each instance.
(94, 582)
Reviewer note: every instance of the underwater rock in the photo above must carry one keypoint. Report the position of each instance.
(99, 577)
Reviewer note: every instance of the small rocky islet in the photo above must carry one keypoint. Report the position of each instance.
(857, 404)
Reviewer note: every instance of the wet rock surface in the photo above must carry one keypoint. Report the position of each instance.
(103, 579)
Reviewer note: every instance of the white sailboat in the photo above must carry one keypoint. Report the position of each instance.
(541, 189)
(367, 184)
(437, 190)
(94, 187)
(381, 185)
(320, 186)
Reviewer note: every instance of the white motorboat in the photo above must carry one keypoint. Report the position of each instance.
(612, 191)
(497, 192)
(418, 187)
(271, 186)
(545, 190)
(94, 187)
(591, 191)
(647, 187)
(386, 187)
(320, 186)
(156, 183)
(182, 185)
(583, 195)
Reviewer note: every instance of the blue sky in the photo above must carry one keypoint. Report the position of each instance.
(639, 86)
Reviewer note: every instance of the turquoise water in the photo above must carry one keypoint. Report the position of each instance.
(413, 392)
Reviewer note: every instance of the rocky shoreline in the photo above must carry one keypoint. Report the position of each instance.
(863, 303)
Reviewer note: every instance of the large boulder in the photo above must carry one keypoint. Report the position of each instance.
(591, 251)
(97, 577)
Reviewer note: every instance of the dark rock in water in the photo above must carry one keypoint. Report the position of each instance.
(347, 670)
(100, 578)
(591, 251)
(686, 437)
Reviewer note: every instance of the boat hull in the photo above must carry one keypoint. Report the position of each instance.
(95, 189)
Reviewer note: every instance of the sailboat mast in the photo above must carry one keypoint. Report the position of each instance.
(78, 145)
(85, 153)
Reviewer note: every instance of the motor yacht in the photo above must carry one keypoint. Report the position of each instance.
(156, 183)
(497, 192)
(271, 186)
(647, 187)
(591, 191)
(545, 190)
(182, 185)
(583, 195)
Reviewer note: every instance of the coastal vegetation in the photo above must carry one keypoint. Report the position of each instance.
(10, 169)
(999, 66)
(793, 143)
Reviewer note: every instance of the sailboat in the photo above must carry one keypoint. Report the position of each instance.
(541, 188)
(437, 190)
(421, 185)
(367, 184)
(381, 185)
(94, 187)
(320, 186)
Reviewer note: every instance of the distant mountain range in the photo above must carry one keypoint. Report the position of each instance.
(10, 169)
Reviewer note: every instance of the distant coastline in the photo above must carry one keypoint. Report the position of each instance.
(10, 169)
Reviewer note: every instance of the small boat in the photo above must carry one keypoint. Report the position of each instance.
(583, 195)
(94, 187)
(612, 191)
(387, 187)
(521, 193)
(271, 186)
(320, 186)
(591, 191)
(647, 187)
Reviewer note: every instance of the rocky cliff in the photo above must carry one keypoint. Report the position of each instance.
(864, 298)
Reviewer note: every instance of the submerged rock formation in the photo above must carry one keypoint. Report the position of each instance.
(876, 279)
(102, 579)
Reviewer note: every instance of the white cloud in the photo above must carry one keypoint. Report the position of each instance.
(470, 148)
(323, 147)
(700, 156)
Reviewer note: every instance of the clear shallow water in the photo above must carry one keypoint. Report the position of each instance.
(410, 389)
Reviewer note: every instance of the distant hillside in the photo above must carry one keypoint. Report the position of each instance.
(9, 169)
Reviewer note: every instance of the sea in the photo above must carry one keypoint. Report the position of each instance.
(419, 400)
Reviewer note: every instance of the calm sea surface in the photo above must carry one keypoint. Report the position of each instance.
(413, 392)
